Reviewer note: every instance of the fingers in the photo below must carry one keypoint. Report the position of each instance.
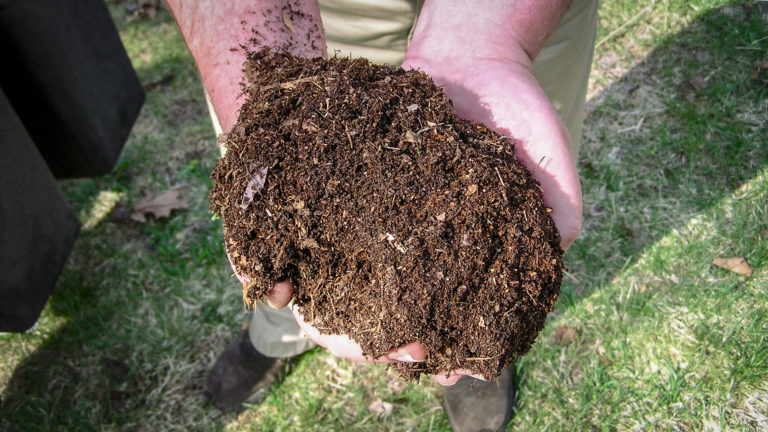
(454, 376)
(410, 353)
(339, 345)
(280, 294)
(446, 380)
(343, 346)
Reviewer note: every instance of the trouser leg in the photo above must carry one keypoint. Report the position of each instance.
(563, 65)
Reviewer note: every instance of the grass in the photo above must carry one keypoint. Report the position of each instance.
(673, 177)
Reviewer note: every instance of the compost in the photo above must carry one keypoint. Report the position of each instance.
(396, 221)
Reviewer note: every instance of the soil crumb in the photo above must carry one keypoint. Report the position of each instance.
(396, 221)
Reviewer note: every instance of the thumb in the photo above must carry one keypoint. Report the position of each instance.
(280, 294)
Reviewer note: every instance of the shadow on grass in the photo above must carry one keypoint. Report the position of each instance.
(681, 130)
(698, 143)
(667, 141)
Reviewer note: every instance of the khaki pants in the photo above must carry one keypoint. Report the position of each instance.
(380, 30)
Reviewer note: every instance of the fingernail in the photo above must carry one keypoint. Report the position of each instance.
(403, 357)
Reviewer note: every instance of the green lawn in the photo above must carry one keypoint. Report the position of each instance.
(674, 167)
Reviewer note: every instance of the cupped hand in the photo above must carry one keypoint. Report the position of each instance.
(505, 96)
(343, 346)
(340, 345)
(280, 296)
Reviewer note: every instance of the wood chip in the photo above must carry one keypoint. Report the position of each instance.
(287, 20)
(309, 243)
(410, 137)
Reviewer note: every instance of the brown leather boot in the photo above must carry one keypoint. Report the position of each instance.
(241, 375)
(480, 406)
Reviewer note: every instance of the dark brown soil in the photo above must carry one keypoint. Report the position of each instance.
(396, 221)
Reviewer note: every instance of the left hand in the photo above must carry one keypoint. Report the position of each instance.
(505, 96)
(483, 59)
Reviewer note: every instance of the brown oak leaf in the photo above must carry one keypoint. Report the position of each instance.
(159, 206)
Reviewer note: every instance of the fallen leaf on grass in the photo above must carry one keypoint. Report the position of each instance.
(758, 67)
(159, 206)
(396, 385)
(698, 83)
(565, 336)
(737, 265)
(381, 408)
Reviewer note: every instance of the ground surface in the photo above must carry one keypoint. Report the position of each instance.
(647, 333)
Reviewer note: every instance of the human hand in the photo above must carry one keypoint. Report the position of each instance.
(218, 33)
(280, 296)
(483, 59)
(504, 95)
(213, 31)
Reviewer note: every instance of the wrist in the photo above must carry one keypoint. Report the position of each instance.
(217, 31)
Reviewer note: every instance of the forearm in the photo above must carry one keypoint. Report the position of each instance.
(216, 30)
(481, 54)
(497, 29)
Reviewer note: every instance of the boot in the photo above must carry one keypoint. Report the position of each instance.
(241, 375)
(481, 406)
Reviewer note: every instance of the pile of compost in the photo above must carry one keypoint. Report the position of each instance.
(396, 221)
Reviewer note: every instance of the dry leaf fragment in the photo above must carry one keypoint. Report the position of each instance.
(412, 107)
(737, 265)
(309, 243)
(565, 336)
(759, 66)
(160, 206)
(309, 126)
(698, 83)
(381, 408)
(396, 385)
(256, 184)
(471, 189)
(119, 213)
(287, 20)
